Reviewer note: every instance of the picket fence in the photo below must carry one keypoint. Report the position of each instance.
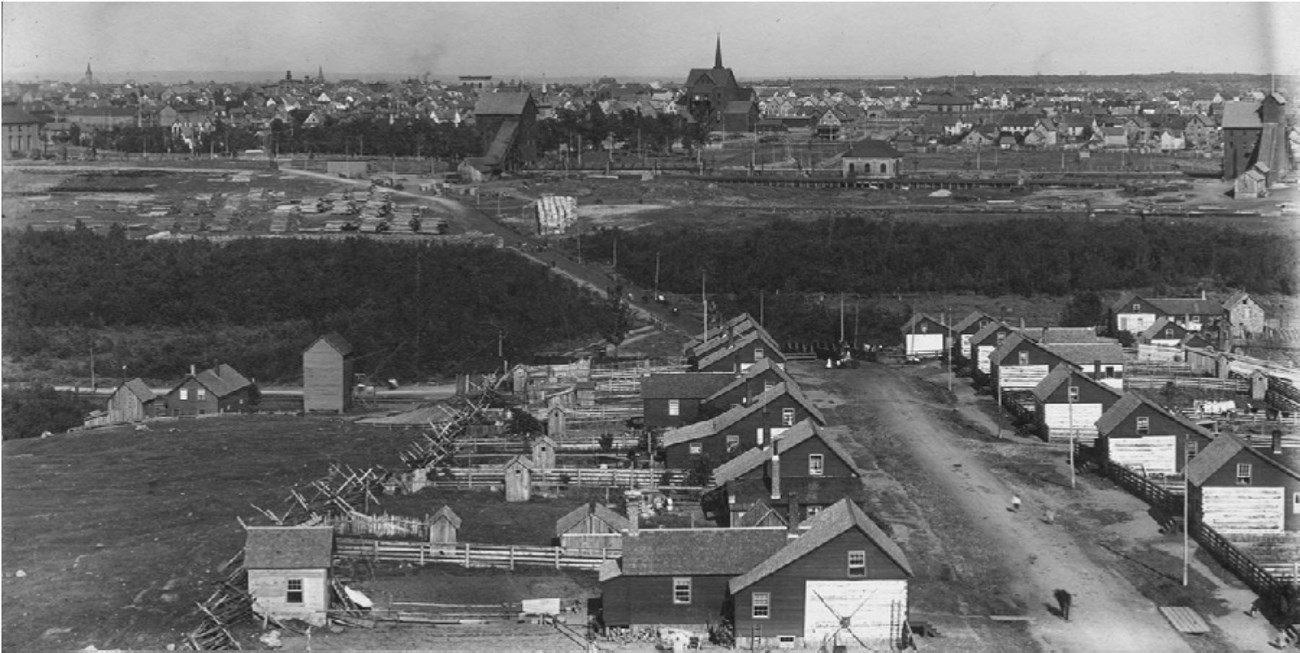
(579, 476)
(473, 555)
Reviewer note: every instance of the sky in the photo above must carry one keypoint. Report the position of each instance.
(639, 40)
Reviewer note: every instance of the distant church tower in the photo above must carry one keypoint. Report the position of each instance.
(89, 79)
(709, 90)
(320, 75)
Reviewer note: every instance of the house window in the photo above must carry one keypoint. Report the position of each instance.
(1295, 504)
(857, 564)
(1143, 425)
(697, 448)
(674, 407)
(1073, 394)
(758, 436)
(1110, 371)
(759, 354)
(681, 590)
(762, 605)
(1193, 447)
(293, 593)
(1024, 358)
(733, 442)
(883, 169)
(1137, 308)
(185, 394)
(816, 465)
(1243, 473)
(811, 511)
(787, 417)
(768, 386)
(201, 394)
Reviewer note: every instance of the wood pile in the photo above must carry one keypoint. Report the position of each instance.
(229, 604)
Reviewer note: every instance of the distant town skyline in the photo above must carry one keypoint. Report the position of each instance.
(647, 40)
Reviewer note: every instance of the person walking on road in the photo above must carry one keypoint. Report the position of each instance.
(1063, 600)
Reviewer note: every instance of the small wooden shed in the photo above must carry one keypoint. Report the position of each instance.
(443, 526)
(132, 401)
(592, 527)
(544, 453)
(519, 479)
(556, 421)
(327, 368)
(288, 571)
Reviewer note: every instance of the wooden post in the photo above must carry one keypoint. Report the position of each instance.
(512, 557)
(467, 554)
(422, 546)
(557, 557)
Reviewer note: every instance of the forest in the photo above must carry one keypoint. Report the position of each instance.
(412, 311)
(1046, 257)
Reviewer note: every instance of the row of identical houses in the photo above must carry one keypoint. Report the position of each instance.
(793, 561)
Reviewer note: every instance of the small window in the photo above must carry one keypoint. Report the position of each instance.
(762, 605)
(758, 354)
(1110, 372)
(811, 511)
(857, 564)
(1143, 425)
(787, 417)
(768, 386)
(185, 394)
(1073, 394)
(674, 407)
(758, 436)
(681, 590)
(1137, 308)
(201, 394)
(1193, 447)
(293, 593)
(697, 448)
(1243, 473)
(816, 464)
(733, 442)
(1024, 358)
(1295, 504)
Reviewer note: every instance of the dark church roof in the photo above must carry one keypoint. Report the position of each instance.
(871, 149)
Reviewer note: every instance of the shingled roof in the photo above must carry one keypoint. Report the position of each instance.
(746, 340)
(222, 380)
(871, 149)
(616, 521)
(141, 391)
(699, 430)
(1129, 402)
(822, 528)
(699, 551)
(1060, 374)
(1106, 353)
(795, 435)
(750, 374)
(1241, 115)
(972, 318)
(289, 547)
(917, 318)
(684, 385)
(501, 104)
(1219, 452)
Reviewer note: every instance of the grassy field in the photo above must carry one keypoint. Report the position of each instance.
(117, 533)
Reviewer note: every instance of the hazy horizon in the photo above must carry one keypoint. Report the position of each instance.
(646, 40)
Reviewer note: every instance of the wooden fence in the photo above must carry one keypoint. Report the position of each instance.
(580, 476)
(472, 555)
(1154, 493)
(1236, 386)
(388, 526)
(1258, 578)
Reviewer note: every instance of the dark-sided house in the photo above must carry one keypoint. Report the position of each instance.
(1142, 436)
(1163, 333)
(924, 336)
(1026, 356)
(678, 577)
(132, 401)
(592, 527)
(1237, 488)
(964, 330)
(220, 389)
(754, 381)
(1020, 363)
(507, 123)
(803, 472)
(1068, 403)
(327, 374)
(739, 353)
(735, 326)
(708, 91)
(984, 342)
(1136, 314)
(673, 400)
(842, 583)
(740, 428)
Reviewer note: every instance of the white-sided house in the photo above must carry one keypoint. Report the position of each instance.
(985, 341)
(1240, 489)
(1139, 434)
(966, 329)
(924, 336)
(1133, 314)
(1068, 404)
(289, 571)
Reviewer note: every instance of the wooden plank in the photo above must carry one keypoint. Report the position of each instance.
(1185, 620)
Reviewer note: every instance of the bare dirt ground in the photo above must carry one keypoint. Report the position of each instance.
(941, 474)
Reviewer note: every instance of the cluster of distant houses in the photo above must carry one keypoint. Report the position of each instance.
(213, 391)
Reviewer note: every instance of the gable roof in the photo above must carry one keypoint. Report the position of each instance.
(1121, 305)
(1241, 115)
(501, 104)
(338, 342)
(716, 425)
(222, 380)
(447, 513)
(973, 318)
(1185, 305)
(289, 547)
(1130, 402)
(1219, 452)
(1014, 340)
(1088, 353)
(990, 329)
(1062, 374)
(698, 552)
(750, 374)
(1065, 335)
(745, 341)
(598, 510)
(138, 388)
(758, 456)
(917, 318)
(1159, 325)
(743, 322)
(759, 512)
(823, 527)
(871, 149)
(684, 385)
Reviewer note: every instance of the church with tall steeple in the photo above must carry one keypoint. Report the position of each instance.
(89, 79)
(710, 90)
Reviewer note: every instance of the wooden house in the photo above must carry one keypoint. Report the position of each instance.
(841, 583)
(803, 471)
(741, 390)
(1240, 489)
(543, 453)
(924, 336)
(871, 159)
(1020, 363)
(984, 342)
(1102, 361)
(735, 326)
(964, 330)
(1068, 403)
(1137, 433)
(507, 124)
(678, 577)
(740, 428)
(220, 389)
(592, 527)
(1243, 315)
(1163, 333)
(443, 526)
(327, 375)
(736, 355)
(673, 400)
(1136, 314)
(289, 571)
(519, 479)
(132, 401)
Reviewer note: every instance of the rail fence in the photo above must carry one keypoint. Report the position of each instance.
(1236, 386)
(467, 554)
(561, 477)
(1157, 494)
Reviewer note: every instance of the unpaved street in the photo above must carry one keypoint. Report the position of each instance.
(1038, 558)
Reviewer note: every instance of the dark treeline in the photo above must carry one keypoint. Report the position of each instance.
(1052, 257)
(30, 411)
(411, 311)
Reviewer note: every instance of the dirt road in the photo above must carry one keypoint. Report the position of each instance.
(1109, 614)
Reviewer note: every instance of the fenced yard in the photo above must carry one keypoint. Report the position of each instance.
(472, 555)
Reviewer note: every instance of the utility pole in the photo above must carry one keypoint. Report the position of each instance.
(1069, 402)
(947, 349)
(1186, 524)
(704, 296)
(656, 297)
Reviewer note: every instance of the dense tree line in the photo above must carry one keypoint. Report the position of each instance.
(1052, 257)
(411, 310)
(30, 411)
(592, 125)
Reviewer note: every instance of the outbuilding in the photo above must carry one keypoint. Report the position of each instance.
(133, 401)
(327, 375)
(289, 571)
(592, 527)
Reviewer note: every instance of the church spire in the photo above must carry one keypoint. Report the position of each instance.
(320, 74)
(717, 55)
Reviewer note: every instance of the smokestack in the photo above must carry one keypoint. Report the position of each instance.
(792, 514)
(1277, 442)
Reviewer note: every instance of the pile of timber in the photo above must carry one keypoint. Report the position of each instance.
(228, 605)
(336, 494)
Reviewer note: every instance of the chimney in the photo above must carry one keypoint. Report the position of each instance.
(776, 473)
(792, 514)
(1202, 294)
(1277, 442)
(192, 370)
(633, 513)
(1044, 337)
